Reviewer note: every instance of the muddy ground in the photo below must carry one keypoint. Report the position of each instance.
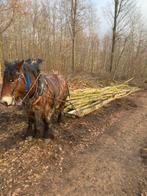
(95, 155)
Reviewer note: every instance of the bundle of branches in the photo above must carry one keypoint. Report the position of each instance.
(83, 102)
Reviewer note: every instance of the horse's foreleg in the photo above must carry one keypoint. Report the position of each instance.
(61, 112)
(48, 132)
(34, 126)
(60, 116)
(31, 129)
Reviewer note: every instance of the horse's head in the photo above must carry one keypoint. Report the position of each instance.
(13, 86)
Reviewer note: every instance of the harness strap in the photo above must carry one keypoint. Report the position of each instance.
(31, 87)
(28, 82)
(28, 78)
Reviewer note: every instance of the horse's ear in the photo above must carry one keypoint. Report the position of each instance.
(28, 61)
(6, 62)
(39, 61)
(20, 64)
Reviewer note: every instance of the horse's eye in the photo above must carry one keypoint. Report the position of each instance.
(11, 80)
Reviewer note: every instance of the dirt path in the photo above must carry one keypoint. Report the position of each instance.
(95, 155)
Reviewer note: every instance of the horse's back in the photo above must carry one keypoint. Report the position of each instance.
(57, 85)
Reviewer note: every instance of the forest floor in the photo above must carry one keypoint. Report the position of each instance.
(98, 154)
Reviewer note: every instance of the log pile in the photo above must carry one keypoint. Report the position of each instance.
(83, 102)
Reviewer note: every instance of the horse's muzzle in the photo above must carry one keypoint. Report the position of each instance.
(7, 101)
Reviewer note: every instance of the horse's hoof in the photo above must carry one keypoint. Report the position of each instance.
(29, 138)
(25, 136)
(51, 136)
(48, 141)
(48, 136)
(30, 133)
(62, 121)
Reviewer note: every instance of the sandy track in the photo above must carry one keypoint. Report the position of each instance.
(94, 155)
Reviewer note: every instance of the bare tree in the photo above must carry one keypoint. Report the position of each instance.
(7, 14)
(66, 35)
(73, 32)
(119, 18)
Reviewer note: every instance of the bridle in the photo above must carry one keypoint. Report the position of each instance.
(13, 93)
(31, 88)
(22, 77)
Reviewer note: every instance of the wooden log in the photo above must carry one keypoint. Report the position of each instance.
(88, 100)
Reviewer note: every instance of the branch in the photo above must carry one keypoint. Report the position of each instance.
(8, 24)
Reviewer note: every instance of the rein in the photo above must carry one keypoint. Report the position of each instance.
(30, 88)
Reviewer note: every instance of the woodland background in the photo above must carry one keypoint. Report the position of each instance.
(65, 33)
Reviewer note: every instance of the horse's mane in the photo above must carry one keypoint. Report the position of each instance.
(29, 66)
(34, 65)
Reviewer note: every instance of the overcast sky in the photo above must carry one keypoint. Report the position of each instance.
(101, 4)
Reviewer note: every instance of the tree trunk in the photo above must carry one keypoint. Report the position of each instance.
(73, 26)
(114, 35)
(1, 55)
(73, 55)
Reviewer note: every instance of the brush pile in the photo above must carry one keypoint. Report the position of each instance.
(83, 102)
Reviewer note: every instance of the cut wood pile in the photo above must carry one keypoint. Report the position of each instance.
(85, 101)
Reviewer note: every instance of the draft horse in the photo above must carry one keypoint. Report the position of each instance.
(43, 96)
